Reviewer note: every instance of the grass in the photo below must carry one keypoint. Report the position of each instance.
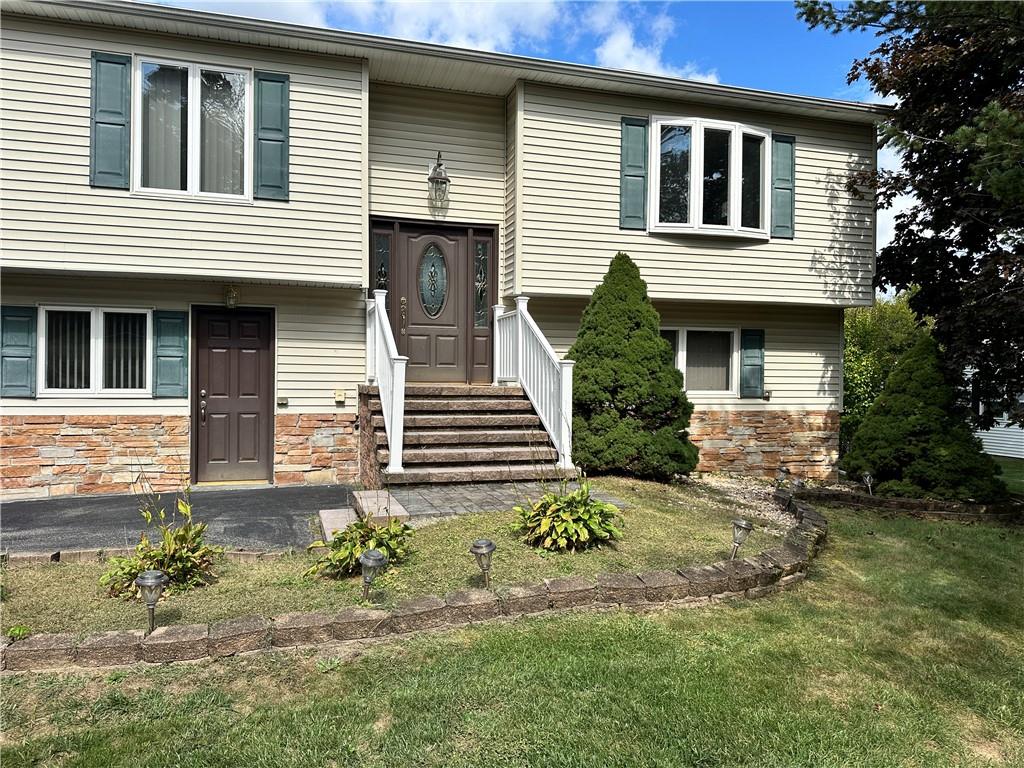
(904, 648)
(664, 527)
(1013, 473)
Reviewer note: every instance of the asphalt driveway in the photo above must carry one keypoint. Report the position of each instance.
(251, 518)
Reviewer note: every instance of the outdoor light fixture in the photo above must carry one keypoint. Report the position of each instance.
(151, 584)
(482, 550)
(373, 561)
(782, 476)
(439, 181)
(799, 483)
(230, 297)
(740, 530)
(869, 481)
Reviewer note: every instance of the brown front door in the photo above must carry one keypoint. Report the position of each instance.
(440, 295)
(232, 413)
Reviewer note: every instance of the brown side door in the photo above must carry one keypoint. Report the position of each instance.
(232, 412)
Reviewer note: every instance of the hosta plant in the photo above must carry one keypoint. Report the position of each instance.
(345, 547)
(567, 521)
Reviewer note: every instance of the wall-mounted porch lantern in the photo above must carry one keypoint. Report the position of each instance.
(230, 296)
(439, 181)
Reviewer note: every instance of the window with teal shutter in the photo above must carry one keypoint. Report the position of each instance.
(271, 126)
(18, 351)
(751, 363)
(633, 174)
(783, 185)
(170, 354)
(110, 113)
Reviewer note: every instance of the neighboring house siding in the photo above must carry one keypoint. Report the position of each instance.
(52, 219)
(1003, 439)
(319, 332)
(802, 347)
(569, 227)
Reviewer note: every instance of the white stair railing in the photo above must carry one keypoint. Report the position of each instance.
(385, 368)
(523, 356)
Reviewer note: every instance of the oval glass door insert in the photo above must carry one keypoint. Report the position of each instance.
(433, 281)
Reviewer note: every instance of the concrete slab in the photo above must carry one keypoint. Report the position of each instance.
(378, 506)
(334, 520)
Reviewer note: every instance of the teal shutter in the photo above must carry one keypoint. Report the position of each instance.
(783, 185)
(633, 174)
(271, 126)
(18, 351)
(170, 354)
(751, 363)
(110, 137)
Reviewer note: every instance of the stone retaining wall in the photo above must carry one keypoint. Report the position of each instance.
(1008, 513)
(752, 577)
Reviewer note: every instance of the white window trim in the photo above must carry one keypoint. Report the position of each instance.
(96, 388)
(734, 371)
(695, 224)
(192, 190)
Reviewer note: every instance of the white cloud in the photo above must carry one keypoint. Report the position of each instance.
(312, 13)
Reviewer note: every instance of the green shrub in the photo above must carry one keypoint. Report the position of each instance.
(177, 549)
(630, 413)
(568, 520)
(18, 632)
(914, 442)
(345, 547)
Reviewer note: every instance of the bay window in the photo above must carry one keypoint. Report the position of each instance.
(193, 134)
(709, 177)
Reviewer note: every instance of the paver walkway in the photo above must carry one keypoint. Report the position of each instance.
(432, 501)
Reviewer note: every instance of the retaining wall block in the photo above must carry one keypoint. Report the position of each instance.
(742, 574)
(110, 648)
(662, 586)
(571, 591)
(763, 591)
(40, 652)
(234, 636)
(524, 598)
(787, 559)
(472, 605)
(705, 580)
(356, 623)
(790, 581)
(771, 572)
(4, 642)
(178, 642)
(620, 588)
(421, 613)
(301, 628)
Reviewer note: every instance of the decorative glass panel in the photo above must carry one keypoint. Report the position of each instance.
(433, 280)
(222, 132)
(708, 361)
(752, 182)
(124, 350)
(68, 347)
(481, 262)
(164, 126)
(674, 195)
(716, 176)
(381, 261)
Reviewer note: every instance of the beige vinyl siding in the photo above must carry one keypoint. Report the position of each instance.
(803, 346)
(53, 219)
(570, 217)
(409, 126)
(512, 160)
(319, 347)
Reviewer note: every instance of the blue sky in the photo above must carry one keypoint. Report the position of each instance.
(754, 44)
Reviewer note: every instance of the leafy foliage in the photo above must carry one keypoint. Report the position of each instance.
(568, 520)
(915, 442)
(954, 71)
(875, 339)
(18, 632)
(345, 547)
(630, 411)
(179, 549)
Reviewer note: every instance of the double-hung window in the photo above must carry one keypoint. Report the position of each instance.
(709, 177)
(192, 135)
(87, 351)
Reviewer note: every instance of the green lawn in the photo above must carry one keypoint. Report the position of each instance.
(664, 527)
(904, 648)
(1013, 473)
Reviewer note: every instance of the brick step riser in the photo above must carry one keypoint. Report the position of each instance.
(452, 390)
(474, 405)
(488, 455)
(468, 474)
(465, 420)
(465, 437)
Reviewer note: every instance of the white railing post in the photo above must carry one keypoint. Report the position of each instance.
(499, 340)
(520, 336)
(565, 414)
(396, 437)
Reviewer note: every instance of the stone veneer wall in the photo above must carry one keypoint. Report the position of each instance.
(315, 448)
(758, 442)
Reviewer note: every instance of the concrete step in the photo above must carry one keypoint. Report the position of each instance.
(496, 454)
(459, 405)
(378, 506)
(457, 420)
(469, 437)
(451, 390)
(477, 473)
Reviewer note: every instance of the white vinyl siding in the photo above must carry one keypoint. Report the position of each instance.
(319, 338)
(1003, 439)
(53, 219)
(569, 227)
(802, 347)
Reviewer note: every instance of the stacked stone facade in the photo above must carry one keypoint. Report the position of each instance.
(759, 442)
(315, 448)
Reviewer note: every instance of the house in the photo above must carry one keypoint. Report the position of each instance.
(237, 251)
(1003, 438)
